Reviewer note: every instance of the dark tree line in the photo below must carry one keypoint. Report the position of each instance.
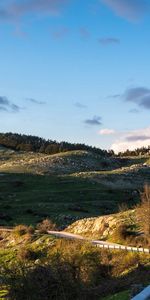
(22, 142)
(136, 152)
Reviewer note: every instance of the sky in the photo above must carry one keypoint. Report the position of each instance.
(76, 71)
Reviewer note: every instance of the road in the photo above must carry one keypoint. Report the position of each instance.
(101, 244)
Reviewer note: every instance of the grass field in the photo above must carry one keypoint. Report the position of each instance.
(67, 186)
(26, 198)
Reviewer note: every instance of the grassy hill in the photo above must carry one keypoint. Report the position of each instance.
(61, 163)
(66, 186)
(81, 191)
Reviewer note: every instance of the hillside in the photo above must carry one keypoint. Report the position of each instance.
(82, 192)
(61, 163)
(33, 265)
(103, 227)
(67, 186)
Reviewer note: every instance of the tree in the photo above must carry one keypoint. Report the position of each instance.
(143, 211)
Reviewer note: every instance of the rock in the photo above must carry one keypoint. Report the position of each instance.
(99, 227)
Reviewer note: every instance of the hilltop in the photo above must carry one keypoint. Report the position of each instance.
(29, 143)
(60, 163)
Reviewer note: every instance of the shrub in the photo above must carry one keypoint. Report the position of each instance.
(83, 259)
(121, 233)
(142, 241)
(143, 211)
(42, 282)
(127, 261)
(46, 225)
(30, 230)
(27, 254)
(123, 207)
(21, 230)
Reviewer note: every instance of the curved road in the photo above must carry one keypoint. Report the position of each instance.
(101, 244)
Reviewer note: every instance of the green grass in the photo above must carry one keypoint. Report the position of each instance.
(120, 296)
(7, 255)
(29, 198)
(26, 198)
(61, 163)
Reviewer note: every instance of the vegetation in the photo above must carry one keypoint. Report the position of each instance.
(46, 225)
(143, 212)
(119, 296)
(68, 270)
(33, 143)
(22, 230)
(47, 192)
(137, 152)
(62, 199)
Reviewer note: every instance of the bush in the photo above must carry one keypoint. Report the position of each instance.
(121, 233)
(127, 261)
(72, 270)
(142, 241)
(23, 230)
(42, 282)
(30, 230)
(143, 211)
(83, 259)
(27, 254)
(46, 225)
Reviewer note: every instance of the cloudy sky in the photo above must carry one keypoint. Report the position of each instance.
(76, 70)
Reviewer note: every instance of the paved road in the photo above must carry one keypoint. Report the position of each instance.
(69, 235)
(101, 244)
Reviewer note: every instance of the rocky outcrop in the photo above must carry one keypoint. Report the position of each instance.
(101, 227)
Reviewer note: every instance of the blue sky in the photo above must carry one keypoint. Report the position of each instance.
(76, 70)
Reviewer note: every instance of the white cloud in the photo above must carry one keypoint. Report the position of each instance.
(128, 9)
(15, 9)
(107, 131)
(132, 140)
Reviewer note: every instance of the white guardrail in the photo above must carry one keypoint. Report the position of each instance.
(144, 295)
(121, 247)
